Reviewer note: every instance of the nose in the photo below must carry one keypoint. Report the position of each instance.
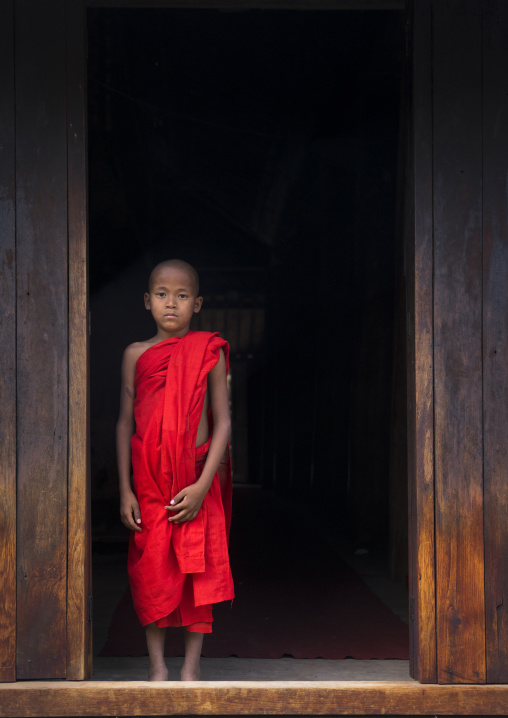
(170, 302)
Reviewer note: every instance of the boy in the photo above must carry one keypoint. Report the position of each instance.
(174, 427)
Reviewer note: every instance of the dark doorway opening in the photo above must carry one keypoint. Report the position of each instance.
(263, 147)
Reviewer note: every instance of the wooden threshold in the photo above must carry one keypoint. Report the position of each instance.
(140, 698)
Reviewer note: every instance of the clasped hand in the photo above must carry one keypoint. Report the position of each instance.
(187, 503)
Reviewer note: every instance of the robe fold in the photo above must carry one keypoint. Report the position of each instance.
(176, 571)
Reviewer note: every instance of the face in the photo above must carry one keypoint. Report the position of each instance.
(172, 300)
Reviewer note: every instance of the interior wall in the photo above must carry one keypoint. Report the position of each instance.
(335, 288)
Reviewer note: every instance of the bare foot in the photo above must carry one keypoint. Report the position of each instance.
(190, 673)
(193, 643)
(158, 673)
(155, 642)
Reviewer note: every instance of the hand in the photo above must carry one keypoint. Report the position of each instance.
(187, 503)
(129, 511)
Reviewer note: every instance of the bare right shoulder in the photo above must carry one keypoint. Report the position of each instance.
(134, 351)
(130, 357)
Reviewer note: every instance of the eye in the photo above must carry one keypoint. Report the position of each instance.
(160, 294)
(182, 296)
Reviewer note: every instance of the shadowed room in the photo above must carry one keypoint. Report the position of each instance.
(267, 149)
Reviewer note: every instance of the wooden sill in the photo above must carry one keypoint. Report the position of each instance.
(140, 698)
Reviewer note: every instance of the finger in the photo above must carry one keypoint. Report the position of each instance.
(128, 521)
(176, 504)
(137, 513)
(178, 498)
(180, 517)
(125, 519)
(183, 517)
(177, 519)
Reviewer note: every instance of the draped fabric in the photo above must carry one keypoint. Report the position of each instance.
(174, 569)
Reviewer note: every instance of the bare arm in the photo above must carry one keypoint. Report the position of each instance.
(188, 501)
(129, 507)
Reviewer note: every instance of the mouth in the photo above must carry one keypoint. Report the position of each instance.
(170, 316)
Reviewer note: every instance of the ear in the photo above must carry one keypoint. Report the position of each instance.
(197, 304)
(147, 301)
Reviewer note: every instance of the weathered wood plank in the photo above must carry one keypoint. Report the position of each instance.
(495, 335)
(420, 353)
(8, 350)
(79, 588)
(41, 221)
(133, 698)
(457, 158)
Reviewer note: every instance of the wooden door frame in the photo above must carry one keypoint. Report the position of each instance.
(66, 324)
(133, 698)
(78, 627)
(8, 438)
(79, 592)
(420, 380)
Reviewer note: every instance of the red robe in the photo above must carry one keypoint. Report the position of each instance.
(177, 571)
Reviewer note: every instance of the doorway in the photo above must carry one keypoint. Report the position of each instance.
(263, 148)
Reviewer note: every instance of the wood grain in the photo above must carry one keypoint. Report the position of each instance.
(135, 698)
(79, 587)
(495, 335)
(457, 198)
(41, 221)
(8, 351)
(420, 352)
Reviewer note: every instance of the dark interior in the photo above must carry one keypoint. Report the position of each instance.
(266, 148)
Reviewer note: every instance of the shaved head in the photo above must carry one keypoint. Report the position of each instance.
(176, 264)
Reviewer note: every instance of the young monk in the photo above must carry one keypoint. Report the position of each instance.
(174, 427)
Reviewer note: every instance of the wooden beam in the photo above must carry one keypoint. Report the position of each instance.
(79, 589)
(139, 698)
(8, 350)
(422, 582)
(236, 5)
(457, 202)
(42, 391)
(495, 335)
